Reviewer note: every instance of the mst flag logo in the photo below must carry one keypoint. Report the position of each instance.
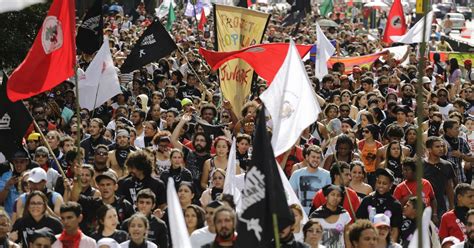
(396, 22)
(52, 35)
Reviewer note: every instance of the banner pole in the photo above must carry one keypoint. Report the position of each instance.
(276, 233)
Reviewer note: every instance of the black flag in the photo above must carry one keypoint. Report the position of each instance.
(263, 194)
(90, 33)
(154, 44)
(14, 121)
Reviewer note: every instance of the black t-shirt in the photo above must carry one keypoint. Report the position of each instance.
(157, 233)
(188, 91)
(119, 236)
(179, 175)
(438, 175)
(407, 230)
(195, 164)
(27, 225)
(90, 206)
(129, 187)
(383, 204)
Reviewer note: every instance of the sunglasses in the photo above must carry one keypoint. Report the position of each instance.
(38, 113)
(51, 137)
(101, 153)
(366, 131)
(41, 155)
(225, 116)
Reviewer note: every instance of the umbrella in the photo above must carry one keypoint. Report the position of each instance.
(376, 4)
(327, 23)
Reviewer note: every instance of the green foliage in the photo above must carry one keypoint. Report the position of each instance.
(19, 29)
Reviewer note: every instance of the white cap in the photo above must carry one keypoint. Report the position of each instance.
(111, 243)
(426, 80)
(37, 175)
(450, 239)
(381, 220)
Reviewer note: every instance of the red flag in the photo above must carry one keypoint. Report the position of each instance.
(396, 24)
(202, 21)
(266, 59)
(52, 57)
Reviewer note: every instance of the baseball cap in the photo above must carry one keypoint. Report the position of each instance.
(381, 220)
(108, 174)
(37, 175)
(20, 154)
(426, 80)
(34, 136)
(44, 232)
(450, 239)
(186, 101)
(467, 62)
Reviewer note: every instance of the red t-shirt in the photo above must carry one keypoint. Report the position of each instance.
(409, 188)
(296, 156)
(319, 200)
(451, 226)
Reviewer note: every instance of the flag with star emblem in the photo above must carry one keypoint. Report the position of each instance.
(89, 34)
(154, 44)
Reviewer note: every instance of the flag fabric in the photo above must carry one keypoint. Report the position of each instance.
(350, 62)
(210, 130)
(324, 52)
(198, 7)
(90, 33)
(230, 186)
(16, 5)
(202, 21)
(415, 34)
(154, 44)
(164, 8)
(52, 57)
(100, 81)
(396, 24)
(291, 196)
(326, 7)
(15, 120)
(256, 56)
(171, 18)
(178, 230)
(263, 194)
(425, 226)
(291, 102)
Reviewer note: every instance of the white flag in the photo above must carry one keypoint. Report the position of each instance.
(164, 8)
(230, 180)
(16, 5)
(425, 224)
(291, 102)
(324, 51)
(100, 81)
(179, 233)
(415, 34)
(290, 193)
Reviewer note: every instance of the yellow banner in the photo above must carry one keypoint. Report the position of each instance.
(419, 6)
(237, 28)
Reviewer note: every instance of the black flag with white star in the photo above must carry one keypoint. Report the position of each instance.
(14, 121)
(263, 194)
(154, 44)
(90, 33)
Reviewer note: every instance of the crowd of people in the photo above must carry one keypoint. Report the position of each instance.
(354, 170)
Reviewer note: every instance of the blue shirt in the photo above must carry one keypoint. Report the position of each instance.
(12, 194)
(306, 184)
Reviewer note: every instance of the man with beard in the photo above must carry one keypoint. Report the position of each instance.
(100, 159)
(309, 179)
(408, 96)
(96, 130)
(194, 159)
(224, 222)
(118, 156)
(443, 103)
(170, 100)
(207, 233)
(469, 242)
(137, 118)
(453, 222)
(140, 166)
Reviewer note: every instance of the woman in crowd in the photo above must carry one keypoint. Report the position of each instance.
(368, 150)
(393, 160)
(366, 118)
(346, 97)
(358, 178)
(194, 217)
(297, 227)
(161, 143)
(217, 183)
(313, 232)
(5, 228)
(410, 139)
(177, 170)
(382, 223)
(137, 231)
(107, 221)
(186, 194)
(36, 215)
(454, 73)
(362, 234)
(42, 158)
(332, 216)
(220, 160)
(244, 153)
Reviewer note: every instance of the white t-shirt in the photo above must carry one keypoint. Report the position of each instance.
(149, 244)
(333, 233)
(202, 236)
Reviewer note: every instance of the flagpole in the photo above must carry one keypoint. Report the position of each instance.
(190, 66)
(276, 233)
(420, 114)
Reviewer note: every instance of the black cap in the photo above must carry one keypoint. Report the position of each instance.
(385, 172)
(20, 153)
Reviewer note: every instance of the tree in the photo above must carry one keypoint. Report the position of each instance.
(19, 29)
